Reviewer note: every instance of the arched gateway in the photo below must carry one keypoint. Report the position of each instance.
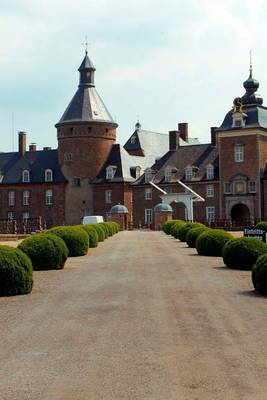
(240, 214)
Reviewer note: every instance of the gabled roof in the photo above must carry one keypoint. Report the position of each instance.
(12, 165)
(123, 162)
(199, 156)
(153, 144)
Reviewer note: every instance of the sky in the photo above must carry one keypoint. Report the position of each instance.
(162, 62)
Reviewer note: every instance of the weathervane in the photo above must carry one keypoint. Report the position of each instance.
(85, 44)
(250, 62)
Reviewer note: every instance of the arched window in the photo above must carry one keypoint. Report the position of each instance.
(26, 198)
(168, 174)
(48, 175)
(188, 173)
(25, 176)
(210, 172)
(148, 176)
(48, 197)
(133, 139)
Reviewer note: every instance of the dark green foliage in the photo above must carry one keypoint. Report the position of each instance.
(186, 228)
(92, 234)
(212, 241)
(105, 228)
(46, 251)
(259, 274)
(75, 237)
(100, 232)
(167, 226)
(262, 224)
(115, 225)
(193, 234)
(110, 228)
(174, 231)
(242, 253)
(15, 272)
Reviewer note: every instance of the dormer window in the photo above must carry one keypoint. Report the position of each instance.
(25, 176)
(168, 174)
(188, 173)
(110, 172)
(1, 176)
(133, 139)
(239, 118)
(148, 176)
(210, 172)
(48, 175)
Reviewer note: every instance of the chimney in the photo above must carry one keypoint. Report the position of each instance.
(174, 140)
(22, 143)
(183, 129)
(213, 135)
(32, 147)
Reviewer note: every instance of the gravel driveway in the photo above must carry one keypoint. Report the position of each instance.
(141, 317)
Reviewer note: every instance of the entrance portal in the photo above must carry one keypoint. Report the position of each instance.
(240, 214)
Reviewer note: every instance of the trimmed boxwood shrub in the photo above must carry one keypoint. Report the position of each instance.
(76, 239)
(242, 253)
(167, 226)
(176, 227)
(110, 228)
(259, 274)
(105, 228)
(92, 234)
(212, 241)
(15, 272)
(46, 251)
(262, 224)
(193, 234)
(115, 225)
(186, 228)
(100, 232)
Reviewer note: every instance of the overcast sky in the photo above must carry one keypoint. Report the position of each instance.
(163, 61)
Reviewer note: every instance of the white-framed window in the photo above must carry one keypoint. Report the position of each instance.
(110, 172)
(25, 176)
(148, 216)
(11, 215)
(148, 176)
(108, 196)
(210, 213)
(11, 198)
(48, 175)
(49, 197)
(26, 198)
(210, 191)
(210, 172)
(137, 172)
(168, 174)
(67, 156)
(148, 194)
(239, 153)
(227, 187)
(25, 216)
(1, 176)
(188, 173)
(252, 187)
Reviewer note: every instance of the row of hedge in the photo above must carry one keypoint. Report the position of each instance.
(47, 250)
(238, 253)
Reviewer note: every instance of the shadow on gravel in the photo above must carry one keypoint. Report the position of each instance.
(252, 293)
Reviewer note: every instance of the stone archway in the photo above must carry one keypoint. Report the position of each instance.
(240, 214)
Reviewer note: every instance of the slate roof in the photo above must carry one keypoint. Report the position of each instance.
(256, 118)
(123, 162)
(199, 156)
(12, 165)
(153, 144)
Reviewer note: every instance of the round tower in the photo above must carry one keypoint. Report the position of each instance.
(86, 133)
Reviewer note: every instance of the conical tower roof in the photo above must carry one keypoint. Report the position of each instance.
(86, 105)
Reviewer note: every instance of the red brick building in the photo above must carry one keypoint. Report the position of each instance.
(89, 172)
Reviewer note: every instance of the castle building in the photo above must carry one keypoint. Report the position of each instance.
(89, 172)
